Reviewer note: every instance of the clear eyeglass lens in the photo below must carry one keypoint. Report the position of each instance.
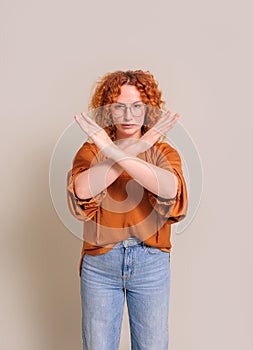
(120, 110)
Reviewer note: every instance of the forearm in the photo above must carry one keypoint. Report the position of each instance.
(94, 180)
(91, 182)
(159, 181)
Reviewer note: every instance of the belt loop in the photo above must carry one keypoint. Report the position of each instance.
(131, 241)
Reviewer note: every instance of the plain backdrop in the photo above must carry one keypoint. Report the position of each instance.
(52, 53)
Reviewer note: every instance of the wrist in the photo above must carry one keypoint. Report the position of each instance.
(113, 152)
(101, 142)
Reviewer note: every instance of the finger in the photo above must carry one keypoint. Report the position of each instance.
(163, 126)
(86, 118)
(84, 115)
(77, 119)
(169, 113)
(173, 115)
(167, 117)
(80, 120)
(173, 118)
(81, 123)
(177, 116)
(166, 120)
(172, 122)
(90, 121)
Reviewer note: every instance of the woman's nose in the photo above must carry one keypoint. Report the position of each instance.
(128, 114)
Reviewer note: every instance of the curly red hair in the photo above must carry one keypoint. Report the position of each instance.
(109, 88)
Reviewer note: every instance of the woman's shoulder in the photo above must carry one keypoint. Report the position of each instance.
(164, 146)
(87, 150)
(89, 146)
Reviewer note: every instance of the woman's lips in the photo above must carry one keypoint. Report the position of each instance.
(127, 125)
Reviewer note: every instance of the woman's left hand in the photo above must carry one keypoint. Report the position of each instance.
(93, 130)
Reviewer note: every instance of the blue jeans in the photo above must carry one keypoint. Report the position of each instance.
(134, 271)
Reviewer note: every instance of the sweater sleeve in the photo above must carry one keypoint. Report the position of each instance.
(174, 209)
(83, 209)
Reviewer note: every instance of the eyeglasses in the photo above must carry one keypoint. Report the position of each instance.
(120, 109)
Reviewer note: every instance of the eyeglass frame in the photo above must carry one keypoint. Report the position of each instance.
(129, 106)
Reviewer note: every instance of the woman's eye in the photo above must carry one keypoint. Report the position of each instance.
(119, 107)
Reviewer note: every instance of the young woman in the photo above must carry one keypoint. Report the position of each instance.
(127, 187)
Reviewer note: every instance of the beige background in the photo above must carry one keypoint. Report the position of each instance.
(52, 52)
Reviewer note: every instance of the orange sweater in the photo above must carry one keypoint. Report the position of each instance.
(125, 209)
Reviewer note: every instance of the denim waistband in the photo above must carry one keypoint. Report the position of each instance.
(131, 241)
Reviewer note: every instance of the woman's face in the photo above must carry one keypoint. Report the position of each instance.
(128, 113)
